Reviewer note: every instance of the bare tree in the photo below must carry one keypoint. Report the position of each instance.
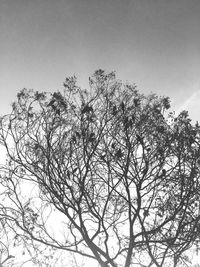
(5, 243)
(109, 167)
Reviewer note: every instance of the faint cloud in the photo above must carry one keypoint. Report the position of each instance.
(192, 105)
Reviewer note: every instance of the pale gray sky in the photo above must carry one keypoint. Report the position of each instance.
(153, 43)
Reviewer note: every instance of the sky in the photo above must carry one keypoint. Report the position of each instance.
(152, 43)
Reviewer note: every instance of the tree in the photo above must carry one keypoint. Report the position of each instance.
(118, 171)
(5, 242)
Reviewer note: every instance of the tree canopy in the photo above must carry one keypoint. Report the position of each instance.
(114, 168)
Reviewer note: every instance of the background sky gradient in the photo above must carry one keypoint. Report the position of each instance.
(153, 43)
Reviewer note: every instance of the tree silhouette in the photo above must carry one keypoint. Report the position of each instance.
(119, 169)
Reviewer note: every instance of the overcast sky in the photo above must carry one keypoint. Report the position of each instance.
(153, 43)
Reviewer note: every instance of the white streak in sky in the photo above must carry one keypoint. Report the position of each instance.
(192, 105)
